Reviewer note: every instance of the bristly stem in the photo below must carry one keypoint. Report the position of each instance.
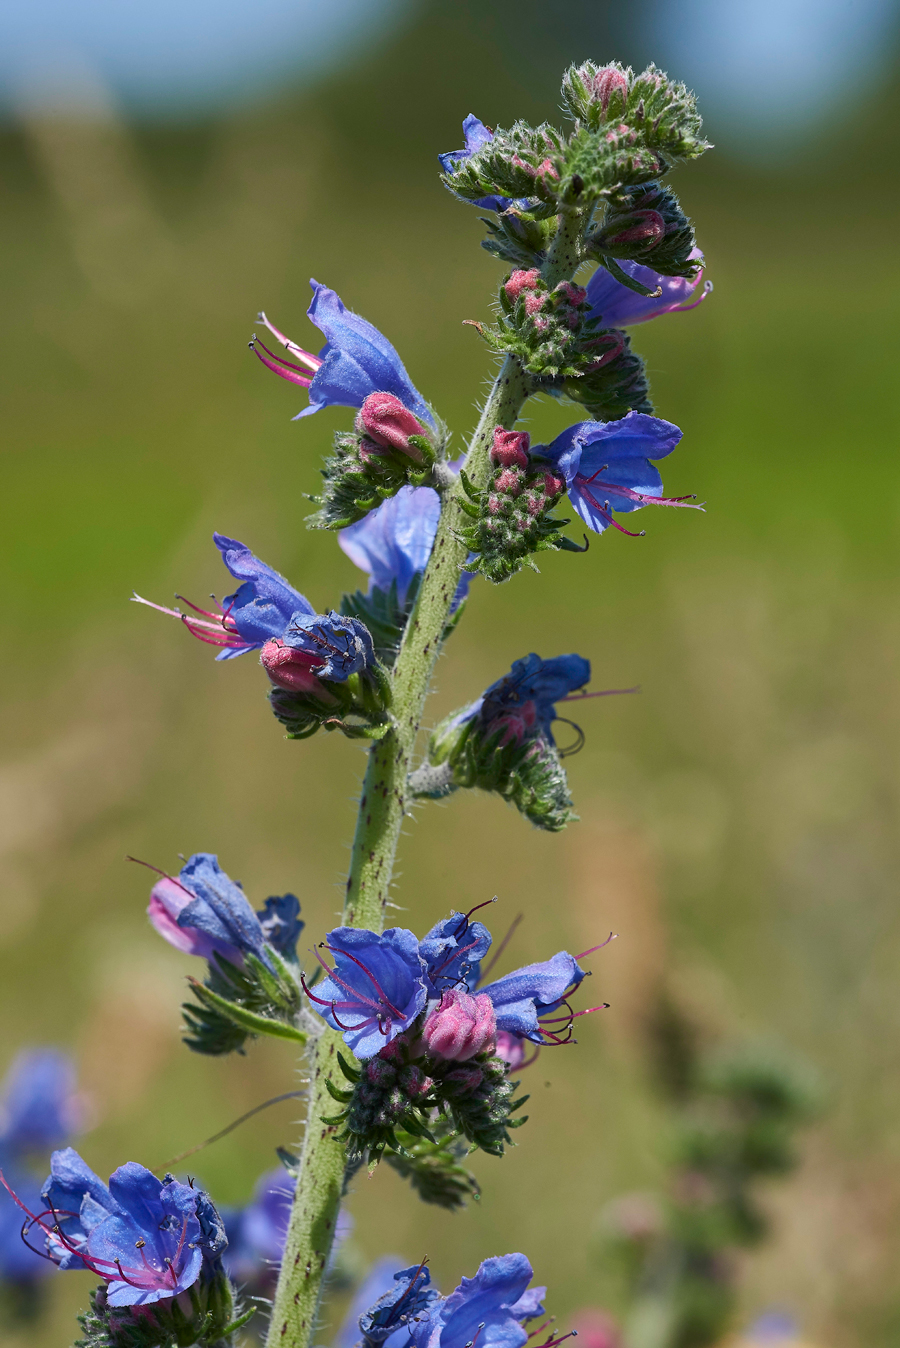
(382, 806)
(381, 810)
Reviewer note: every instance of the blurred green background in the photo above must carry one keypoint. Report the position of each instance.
(738, 818)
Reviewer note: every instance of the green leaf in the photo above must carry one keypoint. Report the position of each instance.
(247, 1020)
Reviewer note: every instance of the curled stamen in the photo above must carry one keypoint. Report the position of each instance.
(594, 948)
(381, 992)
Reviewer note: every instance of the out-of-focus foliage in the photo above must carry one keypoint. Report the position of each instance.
(738, 819)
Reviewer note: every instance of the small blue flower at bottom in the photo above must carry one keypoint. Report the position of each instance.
(378, 1281)
(487, 1310)
(607, 466)
(148, 1239)
(375, 990)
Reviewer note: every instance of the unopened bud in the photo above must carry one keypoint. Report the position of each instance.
(522, 280)
(461, 1026)
(389, 424)
(292, 669)
(510, 448)
(606, 82)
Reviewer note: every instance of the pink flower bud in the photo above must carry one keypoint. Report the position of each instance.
(510, 481)
(516, 725)
(522, 280)
(292, 669)
(606, 82)
(553, 485)
(574, 294)
(534, 303)
(510, 448)
(385, 420)
(461, 1026)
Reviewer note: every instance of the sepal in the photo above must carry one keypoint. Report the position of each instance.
(648, 226)
(359, 707)
(205, 1316)
(614, 384)
(462, 753)
(433, 1167)
(234, 1003)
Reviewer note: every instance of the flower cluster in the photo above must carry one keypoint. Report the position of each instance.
(252, 979)
(503, 741)
(155, 1244)
(404, 1308)
(322, 666)
(397, 438)
(434, 1042)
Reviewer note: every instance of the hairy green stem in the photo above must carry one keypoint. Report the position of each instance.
(382, 806)
(381, 810)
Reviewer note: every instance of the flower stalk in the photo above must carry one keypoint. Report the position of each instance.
(382, 806)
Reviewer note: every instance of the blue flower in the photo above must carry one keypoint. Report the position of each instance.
(607, 466)
(452, 952)
(207, 914)
(260, 610)
(617, 306)
(477, 136)
(148, 1239)
(39, 1109)
(394, 542)
(355, 361)
(257, 1232)
(330, 645)
(541, 683)
(376, 988)
(487, 1309)
(378, 1281)
(534, 993)
(265, 603)
(406, 1299)
(20, 1263)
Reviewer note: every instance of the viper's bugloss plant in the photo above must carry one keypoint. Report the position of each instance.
(412, 1044)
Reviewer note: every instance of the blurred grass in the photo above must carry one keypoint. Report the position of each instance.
(739, 817)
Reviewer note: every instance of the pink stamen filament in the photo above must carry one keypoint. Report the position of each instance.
(164, 874)
(381, 992)
(642, 498)
(546, 1325)
(312, 362)
(278, 366)
(594, 948)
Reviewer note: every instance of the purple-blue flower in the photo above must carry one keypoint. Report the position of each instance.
(617, 306)
(378, 1281)
(488, 1309)
(522, 704)
(205, 913)
(261, 608)
(524, 998)
(148, 1239)
(355, 361)
(394, 542)
(330, 645)
(256, 1233)
(452, 952)
(607, 466)
(478, 135)
(376, 988)
(399, 1307)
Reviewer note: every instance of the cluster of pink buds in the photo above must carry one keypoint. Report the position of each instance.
(519, 495)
